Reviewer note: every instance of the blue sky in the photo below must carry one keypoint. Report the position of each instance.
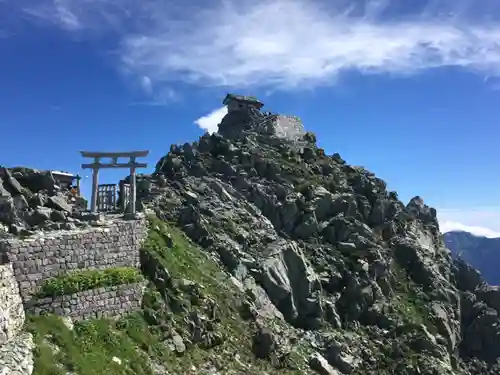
(408, 89)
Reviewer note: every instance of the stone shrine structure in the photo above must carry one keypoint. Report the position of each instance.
(240, 102)
(244, 115)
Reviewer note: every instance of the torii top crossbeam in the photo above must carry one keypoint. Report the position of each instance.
(93, 154)
(114, 156)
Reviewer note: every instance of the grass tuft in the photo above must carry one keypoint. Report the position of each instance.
(79, 281)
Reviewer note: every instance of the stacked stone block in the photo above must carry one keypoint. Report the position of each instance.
(39, 258)
(33, 260)
(27, 263)
(96, 303)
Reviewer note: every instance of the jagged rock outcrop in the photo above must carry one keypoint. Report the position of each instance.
(32, 200)
(325, 247)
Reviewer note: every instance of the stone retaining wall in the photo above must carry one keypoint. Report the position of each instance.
(11, 306)
(103, 302)
(38, 258)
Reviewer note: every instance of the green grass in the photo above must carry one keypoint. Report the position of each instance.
(79, 281)
(185, 260)
(88, 349)
(410, 302)
(139, 340)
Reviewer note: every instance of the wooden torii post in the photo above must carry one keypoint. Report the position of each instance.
(98, 164)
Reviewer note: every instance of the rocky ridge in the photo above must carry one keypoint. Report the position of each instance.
(324, 247)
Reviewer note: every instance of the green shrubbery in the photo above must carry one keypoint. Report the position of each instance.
(79, 281)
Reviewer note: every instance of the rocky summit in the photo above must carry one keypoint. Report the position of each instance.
(265, 255)
(360, 282)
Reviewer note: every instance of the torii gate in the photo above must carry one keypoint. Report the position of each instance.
(98, 164)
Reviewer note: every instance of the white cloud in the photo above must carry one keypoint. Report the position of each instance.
(288, 43)
(449, 226)
(59, 13)
(146, 84)
(209, 122)
(285, 43)
(479, 221)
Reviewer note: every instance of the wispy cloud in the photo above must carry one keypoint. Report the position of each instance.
(481, 221)
(284, 43)
(449, 226)
(493, 82)
(160, 95)
(146, 84)
(59, 12)
(209, 122)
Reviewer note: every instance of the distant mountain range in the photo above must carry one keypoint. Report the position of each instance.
(481, 252)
